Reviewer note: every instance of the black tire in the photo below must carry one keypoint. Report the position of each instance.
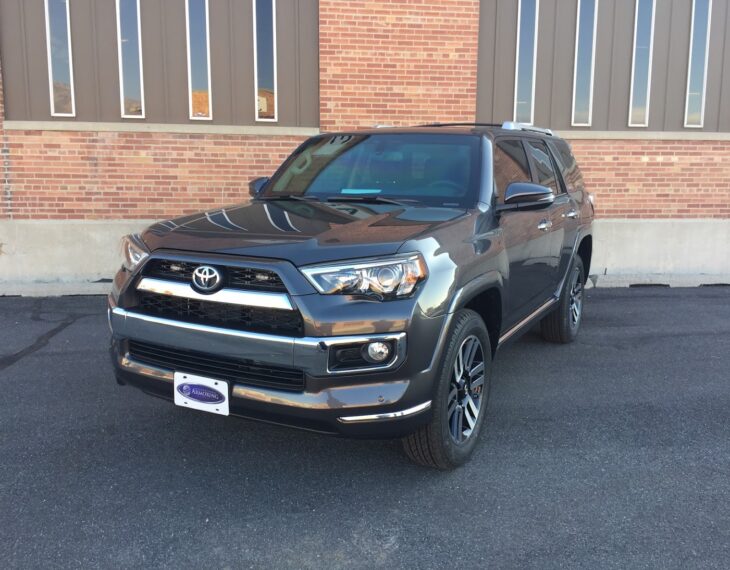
(435, 445)
(562, 324)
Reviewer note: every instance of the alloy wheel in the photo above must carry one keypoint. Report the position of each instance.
(467, 389)
(576, 298)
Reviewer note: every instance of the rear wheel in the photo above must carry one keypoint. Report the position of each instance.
(562, 324)
(461, 398)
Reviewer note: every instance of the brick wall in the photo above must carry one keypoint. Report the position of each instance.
(397, 63)
(65, 175)
(657, 179)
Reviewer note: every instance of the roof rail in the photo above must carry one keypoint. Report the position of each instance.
(460, 125)
(514, 126)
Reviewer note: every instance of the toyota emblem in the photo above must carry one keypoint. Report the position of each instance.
(206, 278)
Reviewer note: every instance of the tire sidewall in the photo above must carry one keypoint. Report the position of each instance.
(570, 330)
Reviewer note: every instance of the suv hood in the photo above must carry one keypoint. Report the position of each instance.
(300, 232)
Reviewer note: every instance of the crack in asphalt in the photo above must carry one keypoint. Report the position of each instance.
(42, 340)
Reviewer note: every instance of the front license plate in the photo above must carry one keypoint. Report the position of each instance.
(200, 393)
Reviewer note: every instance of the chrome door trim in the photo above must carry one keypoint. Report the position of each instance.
(528, 319)
(231, 296)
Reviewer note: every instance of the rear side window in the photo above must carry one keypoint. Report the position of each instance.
(544, 171)
(568, 166)
(510, 165)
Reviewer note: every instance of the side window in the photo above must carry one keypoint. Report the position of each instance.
(544, 171)
(568, 165)
(510, 165)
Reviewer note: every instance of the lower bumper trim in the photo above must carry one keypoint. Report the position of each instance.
(387, 416)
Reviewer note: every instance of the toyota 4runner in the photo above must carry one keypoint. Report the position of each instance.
(366, 287)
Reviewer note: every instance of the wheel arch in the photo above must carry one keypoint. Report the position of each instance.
(585, 251)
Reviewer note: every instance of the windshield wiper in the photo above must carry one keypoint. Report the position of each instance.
(290, 197)
(367, 199)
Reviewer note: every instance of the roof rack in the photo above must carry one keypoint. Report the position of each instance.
(514, 126)
(460, 125)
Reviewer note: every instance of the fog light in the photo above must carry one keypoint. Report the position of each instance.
(377, 352)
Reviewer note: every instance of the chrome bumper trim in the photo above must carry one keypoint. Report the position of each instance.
(387, 416)
(231, 296)
(310, 354)
(336, 398)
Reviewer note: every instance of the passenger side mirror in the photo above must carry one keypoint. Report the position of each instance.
(526, 196)
(256, 186)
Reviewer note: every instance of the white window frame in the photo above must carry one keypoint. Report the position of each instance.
(207, 54)
(121, 66)
(689, 66)
(256, 67)
(633, 64)
(593, 66)
(534, 61)
(50, 63)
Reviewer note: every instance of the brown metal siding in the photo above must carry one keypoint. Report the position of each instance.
(613, 61)
(164, 45)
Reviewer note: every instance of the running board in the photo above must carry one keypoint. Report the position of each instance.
(542, 309)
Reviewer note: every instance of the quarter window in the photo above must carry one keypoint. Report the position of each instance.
(699, 49)
(510, 165)
(60, 62)
(527, 18)
(585, 48)
(641, 68)
(129, 48)
(196, 19)
(264, 39)
(543, 166)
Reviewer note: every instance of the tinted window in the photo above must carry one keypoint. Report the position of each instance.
(544, 171)
(510, 165)
(568, 165)
(432, 169)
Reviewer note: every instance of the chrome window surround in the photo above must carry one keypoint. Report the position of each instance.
(310, 354)
(232, 296)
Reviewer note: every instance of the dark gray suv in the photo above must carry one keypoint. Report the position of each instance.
(366, 287)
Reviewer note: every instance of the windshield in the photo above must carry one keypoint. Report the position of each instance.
(426, 169)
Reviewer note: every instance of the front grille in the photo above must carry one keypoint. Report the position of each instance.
(226, 315)
(234, 277)
(219, 367)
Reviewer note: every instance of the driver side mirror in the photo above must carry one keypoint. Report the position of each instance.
(526, 196)
(256, 186)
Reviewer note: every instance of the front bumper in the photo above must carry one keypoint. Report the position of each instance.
(389, 402)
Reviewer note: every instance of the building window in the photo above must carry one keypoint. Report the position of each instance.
(585, 57)
(60, 61)
(527, 15)
(196, 21)
(641, 67)
(699, 49)
(264, 45)
(129, 47)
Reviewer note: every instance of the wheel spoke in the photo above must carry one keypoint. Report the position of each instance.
(459, 366)
(472, 411)
(476, 371)
(470, 351)
(457, 423)
(477, 382)
(452, 401)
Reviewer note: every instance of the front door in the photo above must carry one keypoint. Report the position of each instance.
(527, 238)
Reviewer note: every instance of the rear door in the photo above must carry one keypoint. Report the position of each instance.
(528, 248)
(572, 190)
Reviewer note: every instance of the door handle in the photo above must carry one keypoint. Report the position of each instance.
(544, 225)
(572, 214)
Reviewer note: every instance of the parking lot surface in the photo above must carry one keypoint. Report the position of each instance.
(612, 452)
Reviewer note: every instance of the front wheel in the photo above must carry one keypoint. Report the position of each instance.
(562, 324)
(461, 397)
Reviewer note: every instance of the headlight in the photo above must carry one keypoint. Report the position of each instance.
(134, 252)
(389, 278)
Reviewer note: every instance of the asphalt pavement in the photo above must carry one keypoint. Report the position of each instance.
(612, 452)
